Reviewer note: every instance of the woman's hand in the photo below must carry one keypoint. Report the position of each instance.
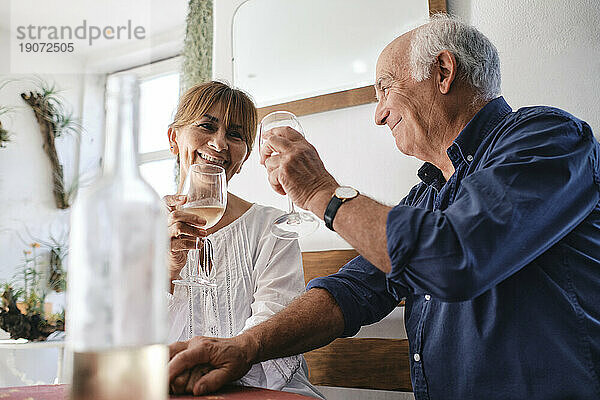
(184, 228)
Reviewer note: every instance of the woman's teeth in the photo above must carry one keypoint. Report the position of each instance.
(211, 159)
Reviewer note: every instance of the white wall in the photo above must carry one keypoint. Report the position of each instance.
(549, 51)
(27, 201)
(25, 176)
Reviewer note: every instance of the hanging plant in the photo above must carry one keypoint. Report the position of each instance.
(54, 119)
(57, 276)
(197, 50)
(4, 134)
(56, 249)
(197, 47)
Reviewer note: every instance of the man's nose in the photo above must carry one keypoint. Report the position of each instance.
(381, 113)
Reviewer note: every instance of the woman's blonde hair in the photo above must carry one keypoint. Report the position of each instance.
(237, 108)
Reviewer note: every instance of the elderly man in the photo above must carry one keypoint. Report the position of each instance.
(496, 251)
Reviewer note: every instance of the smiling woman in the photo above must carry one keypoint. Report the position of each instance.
(216, 124)
(256, 274)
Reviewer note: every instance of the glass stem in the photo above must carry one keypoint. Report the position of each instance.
(291, 206)
(206, 319)
(205, 262)
(198, 265)
(190, 312)
(190, 268)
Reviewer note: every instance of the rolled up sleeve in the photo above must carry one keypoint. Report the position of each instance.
(360, 290)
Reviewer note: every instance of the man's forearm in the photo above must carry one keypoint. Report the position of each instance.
(311, 321)
(362, 223)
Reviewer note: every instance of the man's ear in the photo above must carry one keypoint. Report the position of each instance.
(172, 134)
(445, 67)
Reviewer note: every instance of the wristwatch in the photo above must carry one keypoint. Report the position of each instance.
(341, 195)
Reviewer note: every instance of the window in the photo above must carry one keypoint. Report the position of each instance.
(159, 94)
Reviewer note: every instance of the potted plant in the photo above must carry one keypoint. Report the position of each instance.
(24, 312)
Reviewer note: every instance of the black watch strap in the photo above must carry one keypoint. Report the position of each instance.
(341, 195)
(331, 210)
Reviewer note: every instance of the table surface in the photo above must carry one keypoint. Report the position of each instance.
(26, 344)
(61, 392)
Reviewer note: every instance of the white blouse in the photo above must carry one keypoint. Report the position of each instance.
(256, 276)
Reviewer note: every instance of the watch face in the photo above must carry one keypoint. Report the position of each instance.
(346, 192)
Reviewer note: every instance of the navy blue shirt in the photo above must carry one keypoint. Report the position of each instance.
(499, 265)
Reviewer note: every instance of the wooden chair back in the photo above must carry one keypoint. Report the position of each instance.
(366, 363)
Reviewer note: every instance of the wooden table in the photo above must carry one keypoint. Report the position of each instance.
(61, 392)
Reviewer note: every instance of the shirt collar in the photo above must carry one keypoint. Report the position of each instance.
(468, 140)
(480, 126)
(431, 176)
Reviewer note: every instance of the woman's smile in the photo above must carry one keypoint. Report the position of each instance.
(211, 159)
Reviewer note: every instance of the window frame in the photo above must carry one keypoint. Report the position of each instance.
(147, 72)
(151, 71)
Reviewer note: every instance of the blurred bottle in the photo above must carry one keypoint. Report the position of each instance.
(117, 280)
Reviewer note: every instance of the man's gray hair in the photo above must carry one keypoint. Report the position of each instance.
(477, 57)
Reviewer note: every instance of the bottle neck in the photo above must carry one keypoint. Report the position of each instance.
(121, 156)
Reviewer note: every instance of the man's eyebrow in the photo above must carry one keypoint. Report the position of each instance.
(380, 81)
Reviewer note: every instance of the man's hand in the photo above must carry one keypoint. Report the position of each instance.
(294, 166)
(203, 365)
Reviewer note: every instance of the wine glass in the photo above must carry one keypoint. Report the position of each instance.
(205, 188)
(294, 224)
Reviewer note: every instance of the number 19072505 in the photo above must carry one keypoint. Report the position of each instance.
(45, 47)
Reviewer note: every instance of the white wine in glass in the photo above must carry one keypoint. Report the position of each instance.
(212, 214)
(205, 188)
(294, 224)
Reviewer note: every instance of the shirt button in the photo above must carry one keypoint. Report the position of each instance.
(469, 158)
(427, 297)
(417, 357)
